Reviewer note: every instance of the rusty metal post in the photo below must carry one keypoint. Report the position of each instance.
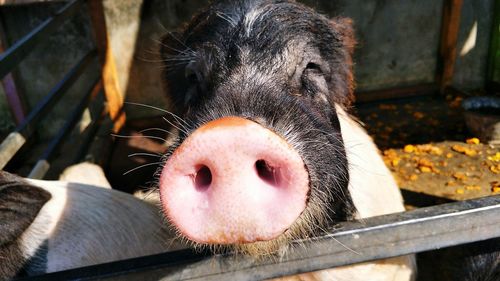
(114, 94)
(448, 49)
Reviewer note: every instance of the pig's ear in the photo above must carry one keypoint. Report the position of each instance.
(20, 203)
(344, 82)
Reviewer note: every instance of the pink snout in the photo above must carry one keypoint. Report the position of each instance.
(233, 181)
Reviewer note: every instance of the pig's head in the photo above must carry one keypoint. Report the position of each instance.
(259, 159)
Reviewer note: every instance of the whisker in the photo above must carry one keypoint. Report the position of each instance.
(178, 119)
(352, 144)
(172, 124)
(133, 137)
(170, 59)
(177, 59)
(160, 24)
(160, 130)
(177, 39)
(154, 129)
(140, 167)
(185, 52)
(144, 154)
(153, 51)
(227, 18)
(343, 245)
(172, 66)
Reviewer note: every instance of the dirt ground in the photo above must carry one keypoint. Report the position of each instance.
(435, 160)
(426, 145)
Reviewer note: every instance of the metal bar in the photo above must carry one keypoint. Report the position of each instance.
(360, 241)
(13, 99)
(26, 2)
(13, 94)
(94, 127)
(17, 52)
(43, 163)
(9, 147)
(39, 170)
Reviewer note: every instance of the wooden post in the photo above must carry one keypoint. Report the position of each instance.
(448, 48)
(112, 90)
(493, 74)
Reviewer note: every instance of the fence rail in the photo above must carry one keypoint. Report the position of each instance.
(374, 238)
(15, 54)
(16, 139)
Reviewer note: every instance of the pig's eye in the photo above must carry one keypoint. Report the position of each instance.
(313, 80)
(194, 80)
(192, 74)
(313, 68)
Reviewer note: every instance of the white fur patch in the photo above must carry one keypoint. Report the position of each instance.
(374, 193)
(371, 184)
(85, 173)
(85, 225)
(45, 223)
(251, 17)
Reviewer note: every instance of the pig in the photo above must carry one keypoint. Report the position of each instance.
(48, 226)
(267, 150)
(266, 153)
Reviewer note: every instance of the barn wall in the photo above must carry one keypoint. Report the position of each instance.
(398, 44)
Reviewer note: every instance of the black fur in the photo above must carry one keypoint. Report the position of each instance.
(219, 65)
(479, 261)
(20, 203)
(36, 264)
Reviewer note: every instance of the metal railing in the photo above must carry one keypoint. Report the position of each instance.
(11, 58)
(15, 54)
(374, 238)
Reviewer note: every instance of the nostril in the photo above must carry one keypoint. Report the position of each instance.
(203, 178)
(267, 172)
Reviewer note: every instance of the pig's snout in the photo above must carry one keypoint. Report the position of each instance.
(233, 181)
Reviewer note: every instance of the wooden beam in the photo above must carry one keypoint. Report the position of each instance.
(397, 93)
(448, 49)
(493, 73)
(493, 87)
(114, 94)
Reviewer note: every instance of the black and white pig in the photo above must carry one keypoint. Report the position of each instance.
(266, 153)
(48, 226)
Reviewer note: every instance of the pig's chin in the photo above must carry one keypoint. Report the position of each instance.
(232, 181)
